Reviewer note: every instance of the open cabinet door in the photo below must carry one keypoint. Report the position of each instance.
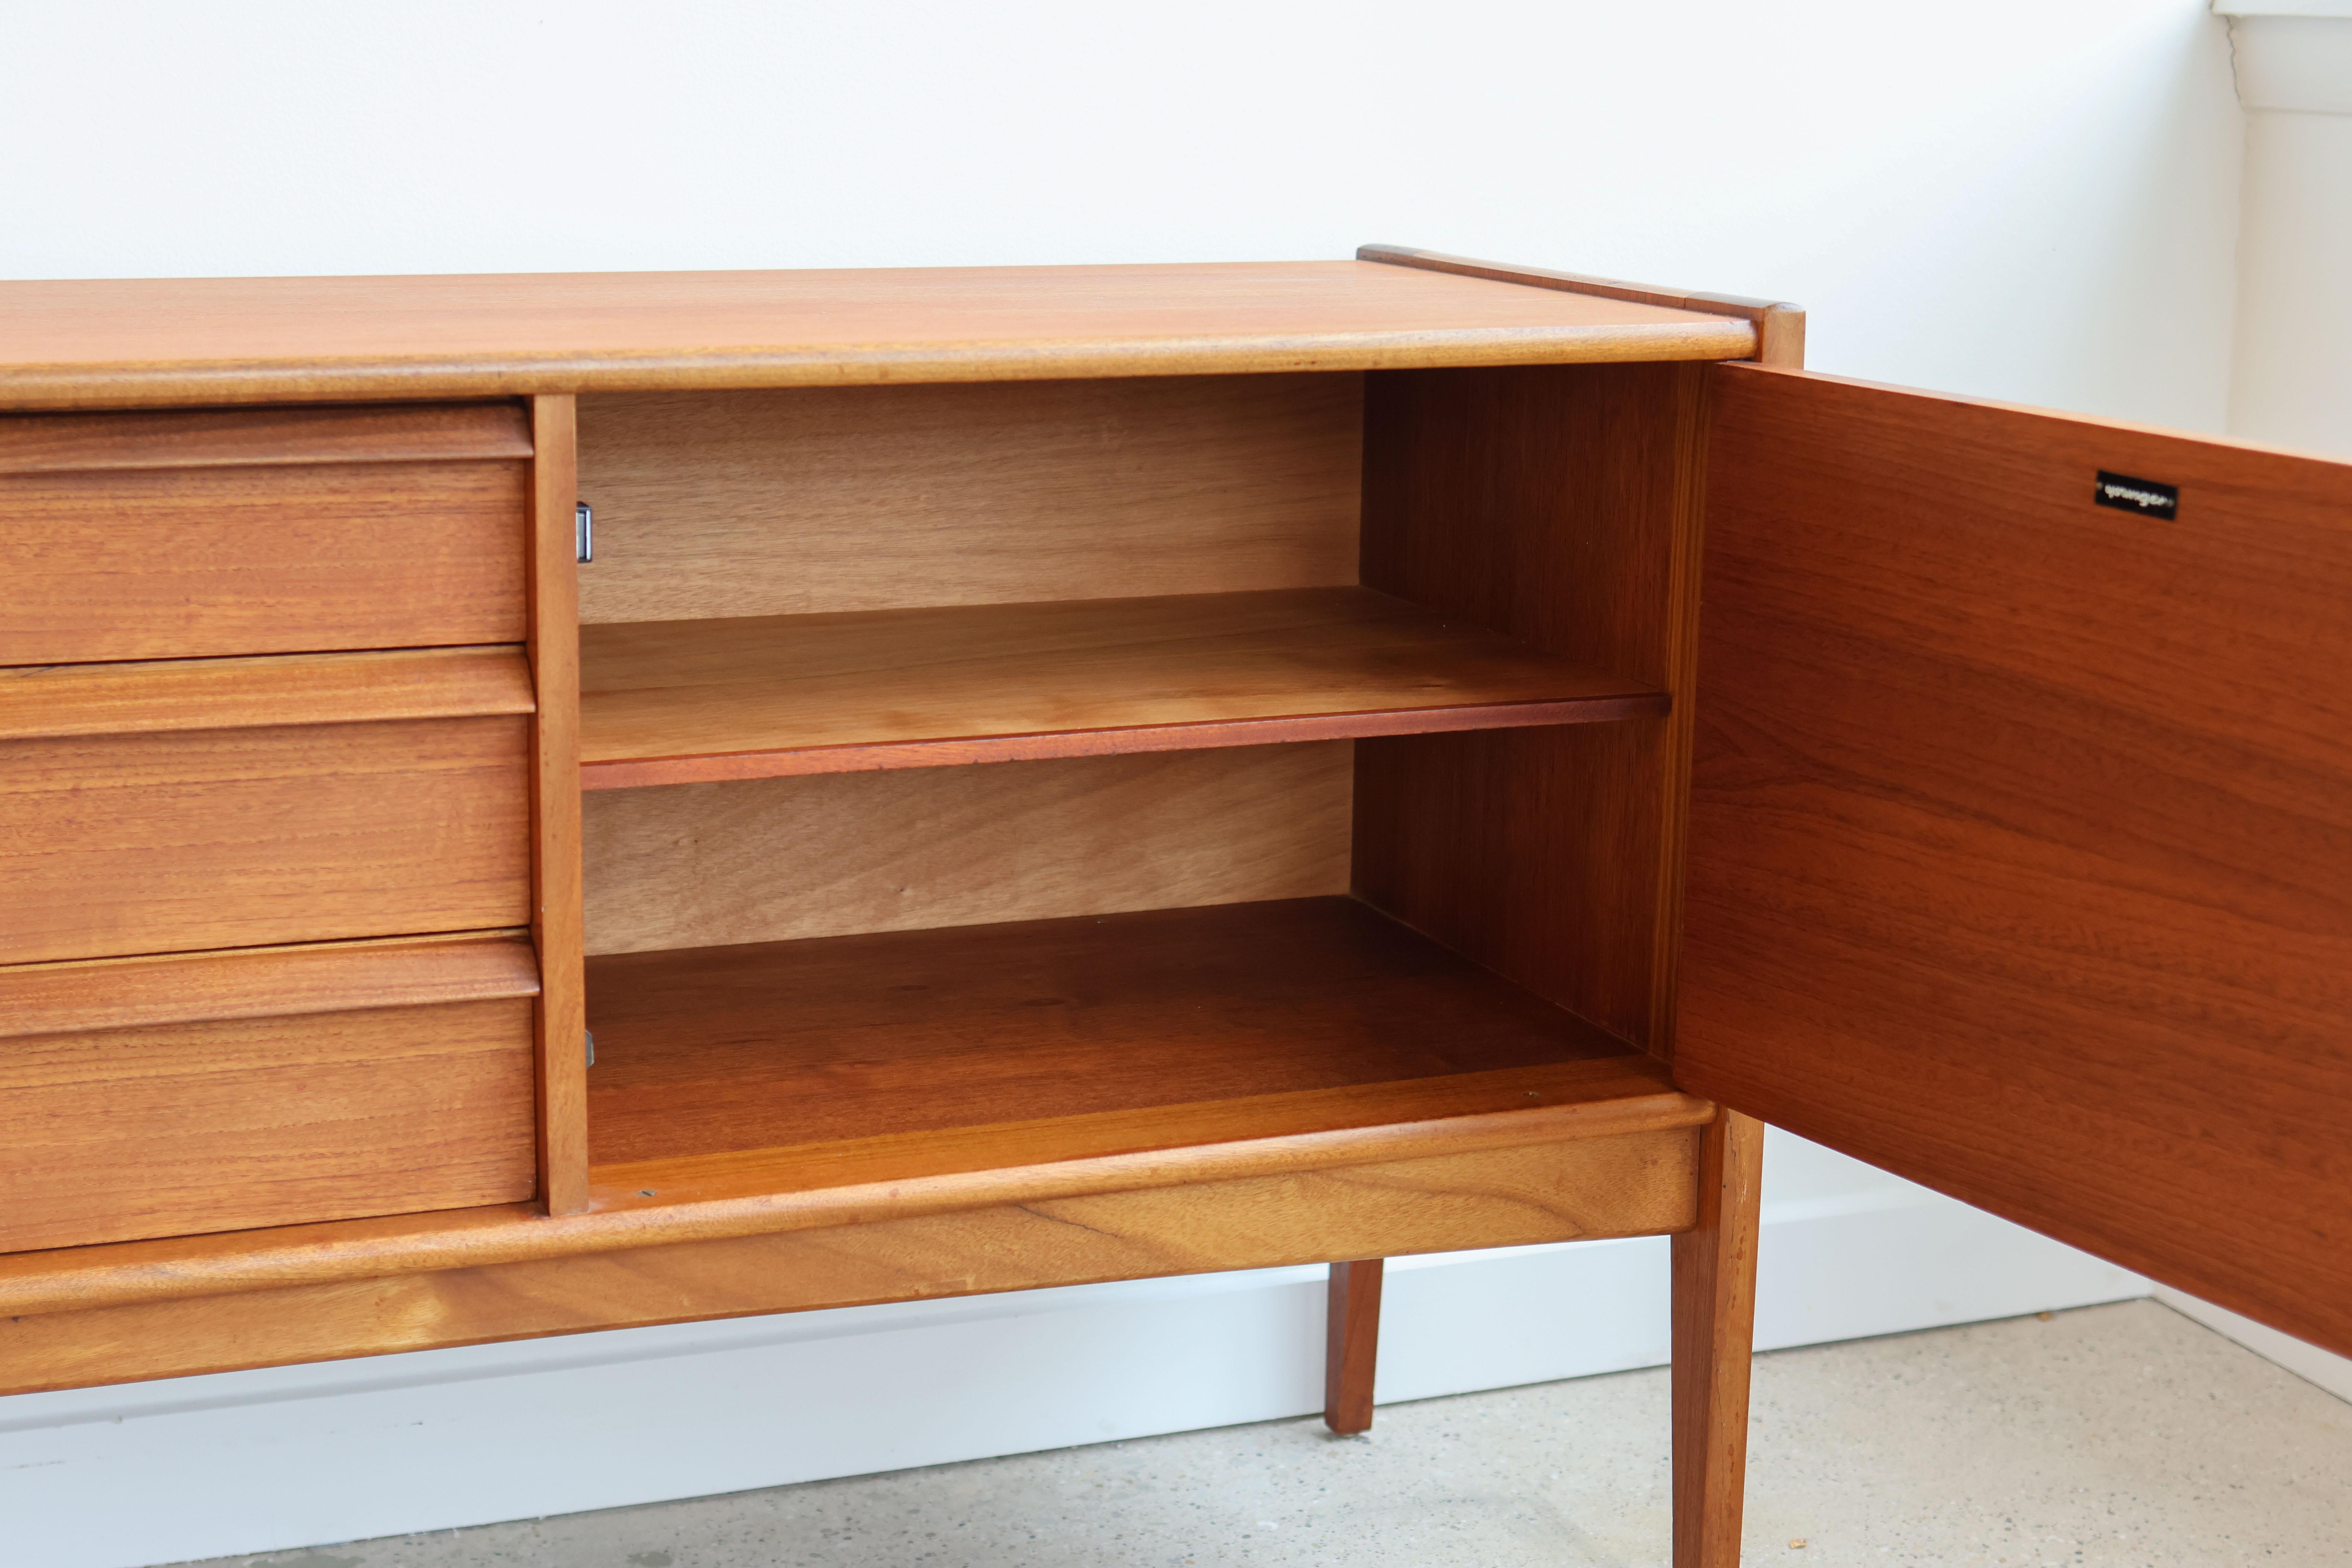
(2021, 834)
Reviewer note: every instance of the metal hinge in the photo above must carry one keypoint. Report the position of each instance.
(584, 530)
(591, 1046)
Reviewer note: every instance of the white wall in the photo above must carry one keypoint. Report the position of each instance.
(1999, 197)
(2034, 201)
(2290, 377)
(2291, 380)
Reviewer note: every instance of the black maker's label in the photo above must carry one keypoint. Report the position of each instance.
(2143, 496)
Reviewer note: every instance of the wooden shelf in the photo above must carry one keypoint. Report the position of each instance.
(686, 702)
(783, 1065)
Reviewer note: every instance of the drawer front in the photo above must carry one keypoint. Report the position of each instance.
(277, 1113)
(173, 842)
(194, 535)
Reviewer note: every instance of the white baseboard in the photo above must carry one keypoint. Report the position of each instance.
(291, 1456)
(2308, 1361)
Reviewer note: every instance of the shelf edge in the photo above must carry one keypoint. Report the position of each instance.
(132, 384)
(635, 772)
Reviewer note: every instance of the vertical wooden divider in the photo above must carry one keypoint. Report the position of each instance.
(1559, 505)
(1564, 506)
(1714, 1334)
(555, 921)
(1685, 538)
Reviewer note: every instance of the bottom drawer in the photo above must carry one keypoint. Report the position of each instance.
(221, 1092)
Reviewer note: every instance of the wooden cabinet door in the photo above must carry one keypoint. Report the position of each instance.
(2020, 832)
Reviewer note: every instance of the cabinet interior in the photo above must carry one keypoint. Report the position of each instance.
(970, 766)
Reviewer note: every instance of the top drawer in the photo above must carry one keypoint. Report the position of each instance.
(179, 535)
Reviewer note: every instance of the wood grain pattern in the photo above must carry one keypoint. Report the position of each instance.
(175, 842)
(1352, 1344)
(166, 1129)
(214, 437)
(702, 865)
(688, 701)
(810, 500)
(1779, 327)
(1714, 1343)
(262, 982)
(147, 697)
(191, 562)
(2020, 862)
(852, 1180)
(1638, 1184)
(758, 1045)
(1559, 506)
(1780, 338)
(95, 343)
(868, 1180)
(555, 857)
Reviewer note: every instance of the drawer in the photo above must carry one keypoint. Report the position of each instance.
(178, 535)
(222, 1092)
(208, 804)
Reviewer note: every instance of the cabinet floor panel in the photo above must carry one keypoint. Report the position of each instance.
(771, 1045)
(762, 697)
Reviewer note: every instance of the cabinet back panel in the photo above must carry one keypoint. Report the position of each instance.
(783, 503)
(773, 859)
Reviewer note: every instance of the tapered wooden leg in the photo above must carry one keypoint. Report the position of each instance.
(1351, 1346)
(1714, 1324)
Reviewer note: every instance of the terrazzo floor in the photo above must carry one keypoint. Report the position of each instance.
(2117, 1436)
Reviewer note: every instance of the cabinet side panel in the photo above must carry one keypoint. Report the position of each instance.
(787, 502)
(1560, 505)
(774, 860)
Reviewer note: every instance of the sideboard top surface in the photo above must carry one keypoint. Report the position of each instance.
(131, 341)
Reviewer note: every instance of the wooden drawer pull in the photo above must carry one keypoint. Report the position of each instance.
(263, 983)
(245, 437)
(54, 700)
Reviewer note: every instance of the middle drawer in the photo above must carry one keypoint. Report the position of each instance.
(203, 803)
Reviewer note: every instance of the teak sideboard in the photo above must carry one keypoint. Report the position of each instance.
(1021, 777)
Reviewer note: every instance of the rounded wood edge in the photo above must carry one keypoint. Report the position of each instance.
(1778, 326)
(35, 388)
(164, 1270)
